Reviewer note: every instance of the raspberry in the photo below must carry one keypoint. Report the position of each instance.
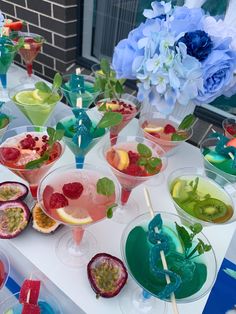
(133, 157)
(27, 143)
(231, 129)
(58, 200)
(169, 129)
(155, 134)
(73, 190)
(9, 153)
(134, 170)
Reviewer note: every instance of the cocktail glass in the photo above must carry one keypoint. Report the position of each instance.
(4, 269)
(79, 204)
(221, 164)
(86, 92)
(32, 46)
(152, 128)
(202, 196)
(68, 124)
(127, 105)
(7, 54)
(229, 126)
(32, 176)
(128, 208)
(197, 274)
(47, 305)
(35, 109)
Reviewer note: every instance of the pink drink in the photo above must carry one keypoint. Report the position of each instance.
(2, 273)
(73, 199)
(18, 150)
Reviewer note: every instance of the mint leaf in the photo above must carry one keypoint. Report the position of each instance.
(184, 236)
(144, 151)
(105, 186)
(187, 122)
(119, 88)
(142, 161)
(57, 81)
(196, 228)
(103, 107)
(58, 135)
(37, 163)
(151, 170)
(105, 66)
(110, 211)
(110, 119)
(43, 87)
(154, 162)
(177, 137)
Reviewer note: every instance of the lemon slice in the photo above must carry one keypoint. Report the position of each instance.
(37, 94)
(112, 106)
(123, 159)
(72, 220)
(26, 97)
(154, 129)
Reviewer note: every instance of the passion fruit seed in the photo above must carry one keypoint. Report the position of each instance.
(7, 193)
(106, 276)
(13, 218)
(43, 220)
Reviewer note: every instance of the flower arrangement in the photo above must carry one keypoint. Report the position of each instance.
(178, 55)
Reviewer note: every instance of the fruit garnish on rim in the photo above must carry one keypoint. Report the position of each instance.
(107, 275)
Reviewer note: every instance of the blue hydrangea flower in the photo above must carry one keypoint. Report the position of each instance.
(1, 19)
(159, 9)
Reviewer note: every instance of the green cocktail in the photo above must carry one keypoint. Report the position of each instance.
(192, 274)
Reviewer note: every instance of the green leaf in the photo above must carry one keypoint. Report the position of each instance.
(195, 184)
(58, 135)
(110, 211)
(144, 151)
(119, 88)
(57, 81)
(105, 66)
(154, 162)
(103, 107)
(151, 170)
(177, 137)
(187, 122)
(37, 163)
(110, 119)
(142, 161)
(196, 228)
(43, 87)
(105, 186)
(184, 236)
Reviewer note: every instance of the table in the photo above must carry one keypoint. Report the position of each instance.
(40, 249)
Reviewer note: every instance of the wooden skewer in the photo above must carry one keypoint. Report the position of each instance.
(230, 154)
(162, 254)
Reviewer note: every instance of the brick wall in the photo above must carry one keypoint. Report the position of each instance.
(56, 20)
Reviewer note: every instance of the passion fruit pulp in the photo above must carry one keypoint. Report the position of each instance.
(107, 275)
(12, 191)
(14, 218)
(42, 222)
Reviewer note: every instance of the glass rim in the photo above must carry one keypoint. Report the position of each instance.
(31, 126)
(91, 167)
(125, 233)
(29, 34)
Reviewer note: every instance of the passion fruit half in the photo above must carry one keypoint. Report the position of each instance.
(42, 222)
(107, 275)
(12, 191)
(14, 218)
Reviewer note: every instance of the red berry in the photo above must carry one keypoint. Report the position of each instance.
(155, 134)
(134, 170)
(231, 129)
(169, 129)
(73, 190)
(58, 200)
(9, 153)
(133, 157)
(28, 142)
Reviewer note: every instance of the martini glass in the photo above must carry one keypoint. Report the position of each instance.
(11, 144)
(79, 206)
(30, 50)
(127, 105)
(79, 87)
(32, 105)
(122, 158)
(202, 196)
(197, 273)
(4, 269)
(152, 128)
(80, 150)
(7, 54)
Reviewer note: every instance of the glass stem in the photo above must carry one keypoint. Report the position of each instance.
(125, 194)
(29, 67)
(3, 78)
(78, 233)
(113, 138)
(33, 190)
(79, 162)
(146, 295)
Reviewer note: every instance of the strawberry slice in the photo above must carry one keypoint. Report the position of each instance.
(30, 309)
(15, 26)
(9, 154)
(58, 200)
(30, 290)
(168, 129)
(73, 190)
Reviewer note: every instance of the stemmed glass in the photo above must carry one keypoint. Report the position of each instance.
(135, 249)
(71, 196)
(4, 268)
(118, 156)
(229, 127)
(11, 139)
(32, 46)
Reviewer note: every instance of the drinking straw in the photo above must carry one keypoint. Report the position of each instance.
(230, 154)
(163, 258)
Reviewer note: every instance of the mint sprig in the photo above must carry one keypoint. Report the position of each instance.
(187, 239)
(110, 119)
(146, 160)
(110, 211)
(54, 136)
(187, 122)
(105, 186)
(108, 83)
(44, 88)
